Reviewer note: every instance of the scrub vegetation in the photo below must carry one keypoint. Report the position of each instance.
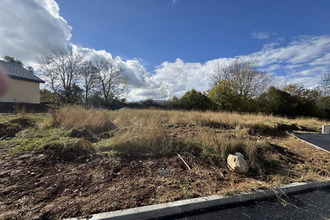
(75, 161)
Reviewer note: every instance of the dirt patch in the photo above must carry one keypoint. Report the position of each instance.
(42, 186)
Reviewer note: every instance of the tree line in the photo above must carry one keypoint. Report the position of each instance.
(236, 87)
(240, 87)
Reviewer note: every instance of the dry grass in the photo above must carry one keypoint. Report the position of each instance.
(206, 134)
(201, 134)
(153, 172)
(96, 121)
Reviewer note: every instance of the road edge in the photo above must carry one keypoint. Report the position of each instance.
(189, 205)
(315, 146)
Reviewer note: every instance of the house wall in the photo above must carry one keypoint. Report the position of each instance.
(22, 91)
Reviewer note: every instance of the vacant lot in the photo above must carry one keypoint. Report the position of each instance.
(75, 162)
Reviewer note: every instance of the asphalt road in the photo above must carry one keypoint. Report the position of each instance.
(305, 205)
(320, 140)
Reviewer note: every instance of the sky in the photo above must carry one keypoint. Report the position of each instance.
(171, 46)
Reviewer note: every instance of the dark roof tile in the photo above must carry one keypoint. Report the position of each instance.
(15, 70)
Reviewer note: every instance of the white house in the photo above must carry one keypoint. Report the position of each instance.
(23, 84)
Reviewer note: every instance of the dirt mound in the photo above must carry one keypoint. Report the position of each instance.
(83, 133)
(263, 130)
(80, 149)
(105, 135)
(24, 122)
(285, 127)
(8, 130)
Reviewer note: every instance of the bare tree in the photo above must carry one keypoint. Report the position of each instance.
(62, 66)
(110, 78)
(88, 73)
(243, 77)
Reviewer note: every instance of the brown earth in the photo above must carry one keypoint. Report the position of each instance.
(36, 186)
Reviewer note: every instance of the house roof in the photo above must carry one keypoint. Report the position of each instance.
(16, 71)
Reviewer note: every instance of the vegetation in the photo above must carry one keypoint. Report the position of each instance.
(74, 79)
(128, 158)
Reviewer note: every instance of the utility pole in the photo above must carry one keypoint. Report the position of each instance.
(326, 84)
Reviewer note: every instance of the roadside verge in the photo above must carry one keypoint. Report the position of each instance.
(188, 205)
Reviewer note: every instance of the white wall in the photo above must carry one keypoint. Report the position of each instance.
(22, 91)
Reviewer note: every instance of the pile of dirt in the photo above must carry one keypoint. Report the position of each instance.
(11, 128)
(285, 127)
(23, 122)
(89, 135)
(83, 133)
(264, 130)
(80, 149)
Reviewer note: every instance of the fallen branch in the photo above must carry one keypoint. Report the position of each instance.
(184, 161)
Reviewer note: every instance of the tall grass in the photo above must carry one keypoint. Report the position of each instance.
(97, 121)
(148, 132)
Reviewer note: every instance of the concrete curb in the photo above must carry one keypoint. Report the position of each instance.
(179, 207)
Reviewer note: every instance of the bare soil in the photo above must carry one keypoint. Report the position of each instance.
(36, 186)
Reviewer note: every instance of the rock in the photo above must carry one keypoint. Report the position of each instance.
(237, 163)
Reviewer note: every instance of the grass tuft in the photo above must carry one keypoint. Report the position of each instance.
(97, 121)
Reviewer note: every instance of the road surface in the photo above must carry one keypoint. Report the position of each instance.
(305, 205)
(320, 140)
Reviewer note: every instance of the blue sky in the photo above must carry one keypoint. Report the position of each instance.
(192, 30)
(171, 46)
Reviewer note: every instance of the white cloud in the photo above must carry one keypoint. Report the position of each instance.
(260, 35)
(303, 60)
(30, 28)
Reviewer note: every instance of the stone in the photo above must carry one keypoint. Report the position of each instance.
(237, 163)
(325, 129)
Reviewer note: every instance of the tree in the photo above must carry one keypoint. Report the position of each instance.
(13, 60)
(195, 100)
(62, 66)
(48, 96)
(224, 96)
(278, 102)
(110, 78)
(88, 74)
(243, 77)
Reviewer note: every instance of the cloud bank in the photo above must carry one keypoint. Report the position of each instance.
(31, 28)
